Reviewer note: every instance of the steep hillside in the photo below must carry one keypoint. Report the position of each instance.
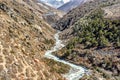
(92, 39)
(71, 17)
(24, 38)
(53, 3)
(49, 14)
(70, 5)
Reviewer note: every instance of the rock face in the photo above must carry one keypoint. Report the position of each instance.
(24, 38)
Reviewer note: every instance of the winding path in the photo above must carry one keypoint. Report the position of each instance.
(76, 71)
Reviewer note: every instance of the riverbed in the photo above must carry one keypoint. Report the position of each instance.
(76, 72)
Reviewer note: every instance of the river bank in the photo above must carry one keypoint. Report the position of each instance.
(103, 63)
(76, 72)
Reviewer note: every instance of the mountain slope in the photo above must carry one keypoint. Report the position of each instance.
(72, 16)
(45, 10)
(70, 5)
(53, 3)
(92, 36)
(24, 38)
(48, 13)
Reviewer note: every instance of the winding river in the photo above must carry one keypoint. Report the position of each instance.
(76, 72)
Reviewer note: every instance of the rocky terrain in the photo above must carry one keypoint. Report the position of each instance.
(112, 11)
(24, 38)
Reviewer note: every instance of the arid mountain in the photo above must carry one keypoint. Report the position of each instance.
(24, 38)
(71, 5)
(49, 14)
(46, 12)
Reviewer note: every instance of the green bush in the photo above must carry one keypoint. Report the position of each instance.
(96, 31)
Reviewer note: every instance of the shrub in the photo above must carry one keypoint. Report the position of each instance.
(95, 31)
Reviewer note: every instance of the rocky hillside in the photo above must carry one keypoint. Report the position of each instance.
(92, 36)
(70, 5)
(74, 15)
(24, 38)
(49, 14)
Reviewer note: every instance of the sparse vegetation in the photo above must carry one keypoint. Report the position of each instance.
(57, 66)
(24, 38)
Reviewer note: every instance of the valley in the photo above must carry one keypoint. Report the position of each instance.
(91, 33)
(76, 71)
(59, 40)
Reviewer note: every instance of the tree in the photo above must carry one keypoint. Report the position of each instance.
(103, 42)
(118, 42)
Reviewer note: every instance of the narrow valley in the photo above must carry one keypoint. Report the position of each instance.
(76, 71)
(59, 39)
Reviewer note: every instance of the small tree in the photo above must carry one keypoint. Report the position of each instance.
(118, 43)
(103, 42)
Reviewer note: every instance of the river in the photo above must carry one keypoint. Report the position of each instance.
(76, 71)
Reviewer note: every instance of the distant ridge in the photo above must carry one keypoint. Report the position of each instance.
(70, 5)
(53, 3)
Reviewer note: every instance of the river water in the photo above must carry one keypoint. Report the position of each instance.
(76, 71)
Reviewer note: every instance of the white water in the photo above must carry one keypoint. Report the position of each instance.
(76, 71)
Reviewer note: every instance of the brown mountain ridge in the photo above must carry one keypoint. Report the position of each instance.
(24, 38)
